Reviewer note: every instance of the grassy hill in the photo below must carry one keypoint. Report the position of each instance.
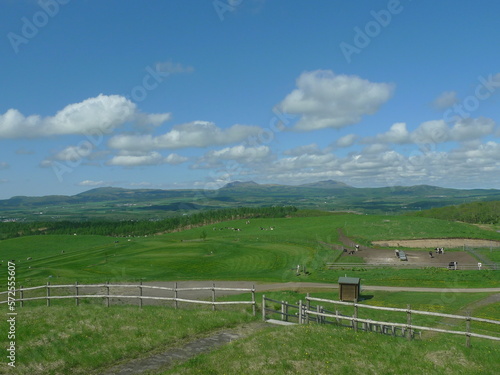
(475, 213)
(131, 204)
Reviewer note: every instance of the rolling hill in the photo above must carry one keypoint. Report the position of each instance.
(120, 203)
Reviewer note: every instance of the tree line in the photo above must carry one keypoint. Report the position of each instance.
(140, 227)
(474, 213)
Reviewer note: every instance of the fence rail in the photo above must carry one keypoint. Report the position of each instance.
(108, 295)
(489, 266)
(306, 313)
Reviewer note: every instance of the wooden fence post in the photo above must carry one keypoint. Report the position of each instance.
(264, 307)
(48, 294)
(77, 302)
(337, 313)
(213, 297)
(140, 294)
(408, 321)
(318, 318)
(308, 307)
(467, 329)
(175, 296)
(21, 296)
(107, 292)
(254, 307)
(300, 312)
(283, 310)
(355, 322)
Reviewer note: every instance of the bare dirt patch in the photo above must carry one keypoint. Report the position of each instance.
(419, 258)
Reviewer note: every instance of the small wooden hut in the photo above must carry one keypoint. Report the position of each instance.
(349, 288)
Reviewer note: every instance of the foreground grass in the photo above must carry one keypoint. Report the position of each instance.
(82, 340)
(65, 339)
(324, 350)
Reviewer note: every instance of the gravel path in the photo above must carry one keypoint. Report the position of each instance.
(167, 359)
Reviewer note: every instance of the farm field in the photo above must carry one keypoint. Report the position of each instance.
(264, 250)
(63, 338)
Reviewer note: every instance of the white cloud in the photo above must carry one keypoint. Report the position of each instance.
(445, 100)
(326, 100)
(375, 148)
(431, 132)
(73, 153)
(154, 119)
(91, 183)
(397, 134)
(4, 165)
(472, 165)
(96, 116)
(346, 141)
(239, 154)
(436, 132)
(470, 129)
(311, 149)
(242, 153)
(305, 161)
(174, 159)
(192, 134)
(151, 158)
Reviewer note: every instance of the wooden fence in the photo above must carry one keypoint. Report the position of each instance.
(400, 264)
(108, 296)
(306, 313)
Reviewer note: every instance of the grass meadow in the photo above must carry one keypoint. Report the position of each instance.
(68, 339)
(91, 338)
(324, 350)
(216, 253)
(87, 339)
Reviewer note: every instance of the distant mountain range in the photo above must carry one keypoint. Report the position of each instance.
(325, 195)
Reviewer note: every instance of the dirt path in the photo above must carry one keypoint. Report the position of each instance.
(267, 287)
(167, 359)
(494, 298)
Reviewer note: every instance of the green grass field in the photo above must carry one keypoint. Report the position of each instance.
(318, 349)
(66, 339)
(88, 339)
(249, 254)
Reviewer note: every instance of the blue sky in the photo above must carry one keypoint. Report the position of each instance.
(199, 93)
